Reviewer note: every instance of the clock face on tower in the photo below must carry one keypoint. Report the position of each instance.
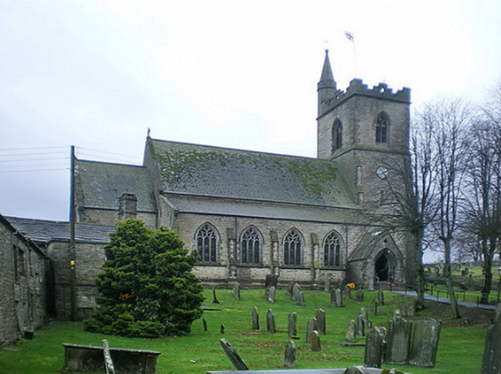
(382, 172)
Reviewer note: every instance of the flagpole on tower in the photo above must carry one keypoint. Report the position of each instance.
(351, 38)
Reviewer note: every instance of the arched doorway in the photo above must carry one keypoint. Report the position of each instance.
(384, 267)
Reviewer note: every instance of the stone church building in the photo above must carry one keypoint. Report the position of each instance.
(251, 214)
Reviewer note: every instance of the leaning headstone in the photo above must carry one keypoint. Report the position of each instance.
(236, 291)
(315, 341)
(424, 344)
(270, 294)
(108, 362)
(491, 362)
(374, 305)
(360, 295)
(291, 325)
(360, 326)
(356, 370)
(233, 355)
(350, 332)
(270, 322)
(214, 297)
(221, 329)
(339, 298)
(380, 297)
(311, 325)
(290, 355)
(374, 347)
(320, 316)
(300, 299)
(204, 324)
(255, 319)
(398, 341)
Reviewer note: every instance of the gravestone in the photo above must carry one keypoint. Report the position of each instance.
(214, 297)
(108, 362)
(270, 294)
(339, 298)
(204, 324)
(397, 314)
(320, 316)
(270, 322)
(333, 296)
(356, 370)
(350, 332)
(291, 325)
(233, 355)
(315, 341)
(374, 305)
(361, 326)
(424, 344)
(236, 291)
(491, 363)
(327, 285)
(290, 290)
(290, 355)
(310, 326)
(398, 341)
(221, 329)
(347, 291)
(300, 299)
(363, 313)
(375, 347)
(255, 319)
(380, 298)
(360, 295)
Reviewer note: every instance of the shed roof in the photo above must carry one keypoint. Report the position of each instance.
(229, 173)
(42, 231)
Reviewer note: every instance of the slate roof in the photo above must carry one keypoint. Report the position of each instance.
(42, 231)
(229, 173)
(243, 208)
(100, 185)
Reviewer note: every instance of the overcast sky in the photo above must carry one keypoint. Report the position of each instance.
(98, 73)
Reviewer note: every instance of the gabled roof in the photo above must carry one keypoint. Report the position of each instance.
(42, 231)
(229, 173)
(100, 185)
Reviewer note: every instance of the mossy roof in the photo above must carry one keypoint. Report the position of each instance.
(229, 173)
(100, 185)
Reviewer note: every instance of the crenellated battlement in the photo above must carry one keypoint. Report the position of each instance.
(357, 87)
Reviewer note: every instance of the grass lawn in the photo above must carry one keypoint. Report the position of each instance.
(460, 349)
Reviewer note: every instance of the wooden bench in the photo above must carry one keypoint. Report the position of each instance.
(126, 361)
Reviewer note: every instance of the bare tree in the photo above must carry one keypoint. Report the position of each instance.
(450, 119)
(483, 200)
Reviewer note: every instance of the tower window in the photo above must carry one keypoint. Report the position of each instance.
(250, 246)
(292, 248)
(337, 135)
(332, 250)
(206, 243)
(382, 126)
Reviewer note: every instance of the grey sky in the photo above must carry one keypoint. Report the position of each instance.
(242, 74)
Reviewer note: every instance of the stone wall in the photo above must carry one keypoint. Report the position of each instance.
(23, 282)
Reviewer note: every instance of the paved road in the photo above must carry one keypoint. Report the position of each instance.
(447, 301)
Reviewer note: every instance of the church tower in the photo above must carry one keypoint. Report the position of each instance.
(366, 130)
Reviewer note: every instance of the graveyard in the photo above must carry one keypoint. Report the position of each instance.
(260, 326)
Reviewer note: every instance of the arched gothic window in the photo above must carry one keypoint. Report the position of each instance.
(292, 248)
(332, 250)
(337, 135)
(382, 128)
(206, 243)
(250, 246)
